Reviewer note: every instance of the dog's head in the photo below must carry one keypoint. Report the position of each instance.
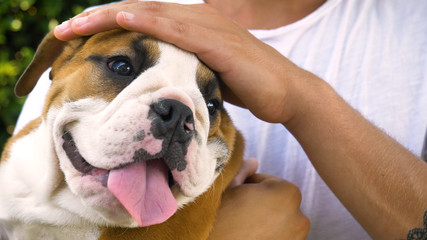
(138, 126)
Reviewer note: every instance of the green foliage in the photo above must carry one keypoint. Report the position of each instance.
(23, 24)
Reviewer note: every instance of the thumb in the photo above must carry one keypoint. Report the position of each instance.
(249, 168)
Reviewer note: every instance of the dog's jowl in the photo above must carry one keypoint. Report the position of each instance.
(130, 144)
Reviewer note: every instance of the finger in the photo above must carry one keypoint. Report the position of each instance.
(65, 31)
(249, 168)
(103, 18)
(200, 14)
(172, 31)
(275, 182)
(95, 22)
(261, 177)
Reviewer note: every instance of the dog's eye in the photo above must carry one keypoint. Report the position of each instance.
(213, 106)
(121, 67)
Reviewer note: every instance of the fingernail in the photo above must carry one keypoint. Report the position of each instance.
(80, 21)
(63, 26)
(127, 16)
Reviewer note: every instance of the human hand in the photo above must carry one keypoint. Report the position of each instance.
(266, 207)
(256, 75)
(260, 206)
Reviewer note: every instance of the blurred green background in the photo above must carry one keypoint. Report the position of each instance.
(23, 23)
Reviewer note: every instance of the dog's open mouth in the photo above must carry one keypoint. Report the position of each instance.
(142, 187)
(81, 165)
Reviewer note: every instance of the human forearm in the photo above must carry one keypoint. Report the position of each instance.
(379, 181)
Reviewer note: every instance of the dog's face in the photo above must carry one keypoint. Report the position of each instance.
(138, 128)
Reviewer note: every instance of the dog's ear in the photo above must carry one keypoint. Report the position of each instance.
(49, 49)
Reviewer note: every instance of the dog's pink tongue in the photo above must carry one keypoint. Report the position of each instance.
(143, 190)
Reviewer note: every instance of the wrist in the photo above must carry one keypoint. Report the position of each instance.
(307, 95)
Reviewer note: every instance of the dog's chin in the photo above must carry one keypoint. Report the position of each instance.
(102, 206)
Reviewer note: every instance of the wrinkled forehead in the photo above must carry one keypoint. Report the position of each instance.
(117, 42)
(180, 66)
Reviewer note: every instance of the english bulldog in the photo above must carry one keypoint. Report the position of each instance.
(133, 143)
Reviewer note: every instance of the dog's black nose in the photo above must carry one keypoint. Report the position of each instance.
(173, 120)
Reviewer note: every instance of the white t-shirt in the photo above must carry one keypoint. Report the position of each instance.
(373, 52)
